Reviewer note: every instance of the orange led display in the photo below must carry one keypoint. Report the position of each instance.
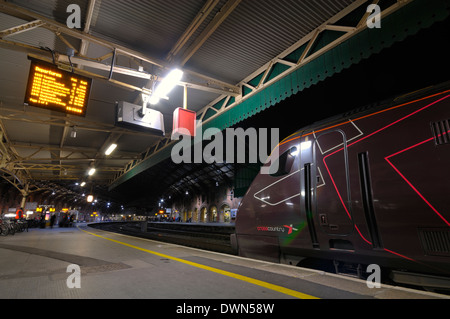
(51, 88)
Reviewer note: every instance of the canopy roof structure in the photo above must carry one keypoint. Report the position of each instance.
(238, 58)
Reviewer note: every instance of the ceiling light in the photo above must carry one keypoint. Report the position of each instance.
(90, 198)
(91, 171)
(110, 149)
(73, 133)
(82, 184)
(166, 85)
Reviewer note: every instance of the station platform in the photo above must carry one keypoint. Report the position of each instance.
(34, 265)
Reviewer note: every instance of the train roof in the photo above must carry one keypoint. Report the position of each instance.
(387, 103)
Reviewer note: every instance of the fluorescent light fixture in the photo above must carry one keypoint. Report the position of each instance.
(110, 149)
(73, 133)
(154, 99)
(91, 171)
(82, 184)
(166, 85)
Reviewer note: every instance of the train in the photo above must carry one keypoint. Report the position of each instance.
(371, 186)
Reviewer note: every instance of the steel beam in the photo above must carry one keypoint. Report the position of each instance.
(52, 119)
(226, 10)
(21, 28)
(195, 24)
(308, 40)
(17, 11)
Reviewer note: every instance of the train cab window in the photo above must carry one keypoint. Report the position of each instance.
(283, 164)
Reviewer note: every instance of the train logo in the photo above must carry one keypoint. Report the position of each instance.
(282, 229)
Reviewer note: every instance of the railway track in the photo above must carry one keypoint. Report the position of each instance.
(197, 237)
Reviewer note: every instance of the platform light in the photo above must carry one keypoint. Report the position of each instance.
(166, 85)
(91, 172)
(110, 149)
(83, 184)
(73, 133)
(90, 198)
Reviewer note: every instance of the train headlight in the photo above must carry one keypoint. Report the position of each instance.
(305, 145)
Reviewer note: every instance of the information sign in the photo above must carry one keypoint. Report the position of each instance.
(51, 88)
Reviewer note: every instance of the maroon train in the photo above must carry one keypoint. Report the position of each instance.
(368, 188)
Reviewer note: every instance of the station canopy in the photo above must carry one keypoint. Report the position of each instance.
(238, 57)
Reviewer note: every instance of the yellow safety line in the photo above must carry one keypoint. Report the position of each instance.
(257, 282)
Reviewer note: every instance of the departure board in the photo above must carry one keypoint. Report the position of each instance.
(55, 89)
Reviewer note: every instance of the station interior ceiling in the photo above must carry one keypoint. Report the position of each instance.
(217, 43)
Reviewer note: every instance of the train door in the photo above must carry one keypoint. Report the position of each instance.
(333, 198)
(307, 188)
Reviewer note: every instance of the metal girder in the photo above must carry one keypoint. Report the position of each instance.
(18, 178)
(21, 28)
(87, 25)
(57, 167)
(73, 151)
(308, 40)
(204, 82)
(51, 119)
(195, 24)
(209, 30)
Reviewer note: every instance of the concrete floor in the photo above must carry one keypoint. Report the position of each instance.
(34, 264)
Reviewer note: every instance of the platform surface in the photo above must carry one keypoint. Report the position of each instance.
(35, 264)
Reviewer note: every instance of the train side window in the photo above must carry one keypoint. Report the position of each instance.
(283, 164)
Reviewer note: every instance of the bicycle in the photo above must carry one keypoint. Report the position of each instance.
(4, 229)
(8, 228)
